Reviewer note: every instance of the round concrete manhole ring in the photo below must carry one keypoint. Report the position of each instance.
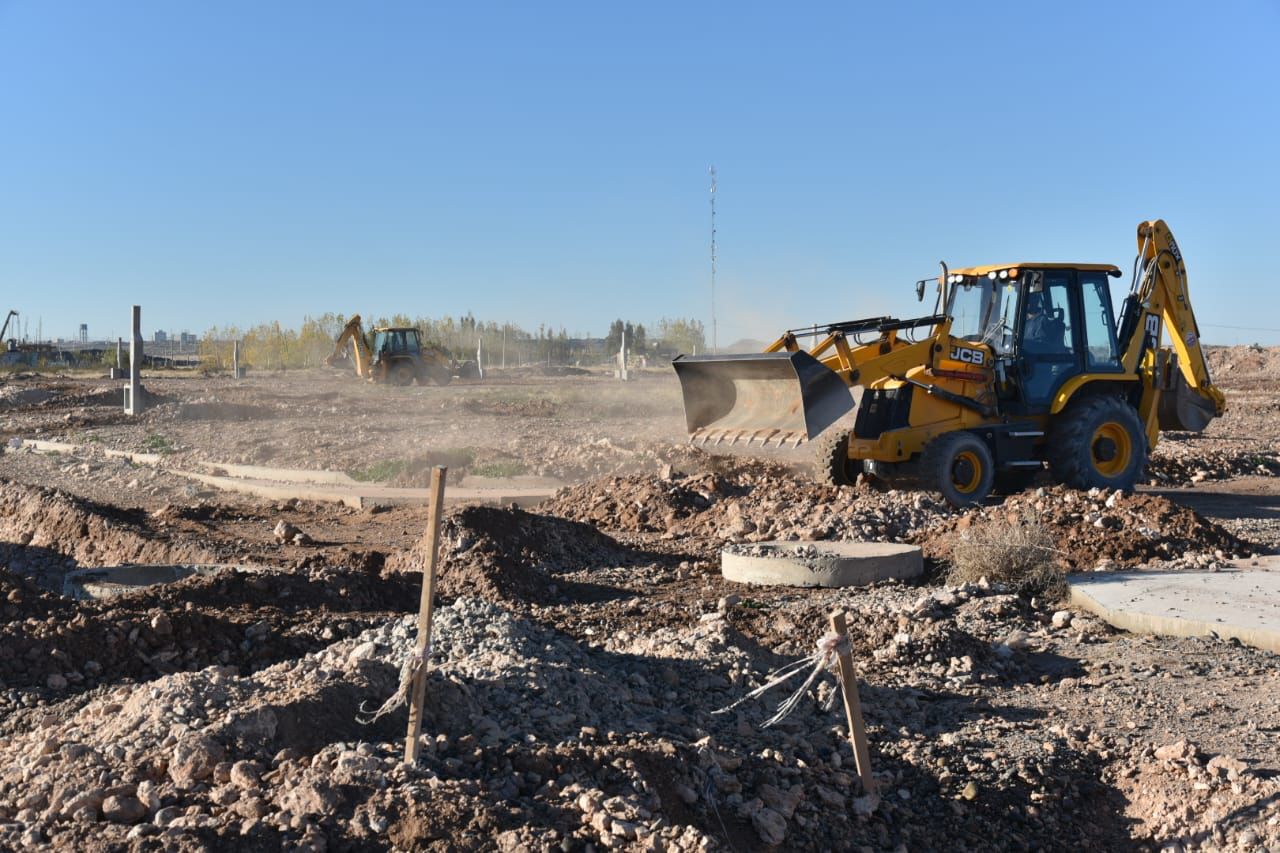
(829, 564)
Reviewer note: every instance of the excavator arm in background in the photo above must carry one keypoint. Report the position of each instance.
(1178, 392)
(353, 331)
(5, 327)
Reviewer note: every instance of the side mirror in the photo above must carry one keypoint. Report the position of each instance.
(920, 291)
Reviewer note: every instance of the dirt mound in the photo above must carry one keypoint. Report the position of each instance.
(749, 501)
(17, 397)
(538, 408)
(513, 555)
(215, 410)
(1096, 526)
(40, 527)
(20, 599)
(242, 619)
(1238, 362)
(320, 589)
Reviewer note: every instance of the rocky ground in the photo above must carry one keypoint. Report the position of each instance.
(583, 650)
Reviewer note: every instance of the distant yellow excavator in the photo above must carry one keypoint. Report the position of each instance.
(398, 356)
(1022, 366)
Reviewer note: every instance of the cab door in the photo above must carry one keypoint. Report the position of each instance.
(1049, 349)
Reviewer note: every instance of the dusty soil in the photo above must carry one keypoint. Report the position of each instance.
(582, 648)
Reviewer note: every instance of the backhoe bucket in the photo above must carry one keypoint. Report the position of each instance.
(1182, 408)
(782, 397)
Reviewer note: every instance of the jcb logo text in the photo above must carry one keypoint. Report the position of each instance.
(968, 356)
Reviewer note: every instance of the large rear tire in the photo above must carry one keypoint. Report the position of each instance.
(960, 467)
(1098, 442)
(835, 468)
(402, 374)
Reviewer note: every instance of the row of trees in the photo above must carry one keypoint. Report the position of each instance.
(271, 346)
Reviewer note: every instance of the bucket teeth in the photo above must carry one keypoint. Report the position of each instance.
(766, 437)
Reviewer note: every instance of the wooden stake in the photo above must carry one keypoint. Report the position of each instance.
(853, 707)
(426, 607)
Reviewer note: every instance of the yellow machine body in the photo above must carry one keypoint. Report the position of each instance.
(1040, 374)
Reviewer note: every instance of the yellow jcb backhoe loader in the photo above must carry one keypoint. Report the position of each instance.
(1020, 366)
(398, 355)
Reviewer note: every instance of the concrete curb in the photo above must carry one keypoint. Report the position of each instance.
(282, 484)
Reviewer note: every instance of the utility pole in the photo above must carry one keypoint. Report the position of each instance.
(715, 344)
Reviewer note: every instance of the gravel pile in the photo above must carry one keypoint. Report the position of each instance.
(535, 738)
(1176, 463)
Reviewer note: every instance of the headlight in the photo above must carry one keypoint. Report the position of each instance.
(1004, 274)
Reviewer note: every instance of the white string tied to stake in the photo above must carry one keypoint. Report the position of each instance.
(414, 663)
(829, 647)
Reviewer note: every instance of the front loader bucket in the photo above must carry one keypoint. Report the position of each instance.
(783, 397)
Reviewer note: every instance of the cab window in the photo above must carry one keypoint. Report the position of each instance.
(1099, 326)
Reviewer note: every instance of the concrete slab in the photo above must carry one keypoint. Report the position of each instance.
(1241, 601)
(112, 581)
(829, 564)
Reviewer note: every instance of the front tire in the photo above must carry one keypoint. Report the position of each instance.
(832, 459)
(960, 467)
(1098, 443)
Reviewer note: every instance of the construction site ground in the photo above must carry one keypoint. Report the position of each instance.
(584, 645)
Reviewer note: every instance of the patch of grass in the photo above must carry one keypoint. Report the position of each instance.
(500, 469)
(1020, 554)
(387, 469)
(456, 459)
(157, 443)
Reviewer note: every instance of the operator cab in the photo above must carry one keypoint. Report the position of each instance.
(1045, 323)
(395, 342)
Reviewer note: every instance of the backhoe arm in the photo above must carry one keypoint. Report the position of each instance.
(354, 331)
(1160, 295)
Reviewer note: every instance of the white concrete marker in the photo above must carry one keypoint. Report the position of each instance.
(622, 357)
(133, 402)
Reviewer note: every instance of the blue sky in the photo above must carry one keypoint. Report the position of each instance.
(238, 162)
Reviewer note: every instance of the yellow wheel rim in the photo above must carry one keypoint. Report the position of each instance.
(966, 472)
(1111, 449)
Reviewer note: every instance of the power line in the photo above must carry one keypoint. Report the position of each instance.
(1239, 328)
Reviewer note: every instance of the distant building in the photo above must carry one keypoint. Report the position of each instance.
(186, 338)
(161, 337)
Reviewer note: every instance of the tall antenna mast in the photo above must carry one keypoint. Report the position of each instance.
(715, 344)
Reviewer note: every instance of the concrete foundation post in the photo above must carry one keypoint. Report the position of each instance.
(622, 358)
(133, 402)
(480, 358)
(119, 371)
(236, 372)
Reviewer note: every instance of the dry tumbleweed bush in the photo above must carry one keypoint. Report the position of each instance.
(1020, 554)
